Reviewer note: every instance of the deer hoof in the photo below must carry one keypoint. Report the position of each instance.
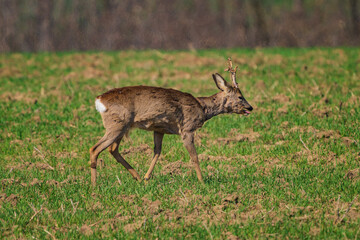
(146, 180)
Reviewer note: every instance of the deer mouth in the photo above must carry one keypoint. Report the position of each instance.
(245, 112)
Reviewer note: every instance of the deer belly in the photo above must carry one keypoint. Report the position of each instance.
(163, 127)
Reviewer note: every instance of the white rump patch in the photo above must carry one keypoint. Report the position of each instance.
(100, 106)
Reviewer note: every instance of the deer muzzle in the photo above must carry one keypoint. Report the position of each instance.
(248, 109)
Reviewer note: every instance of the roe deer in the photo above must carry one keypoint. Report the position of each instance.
(164, 111)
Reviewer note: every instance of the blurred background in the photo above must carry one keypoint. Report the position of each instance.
(63, 25)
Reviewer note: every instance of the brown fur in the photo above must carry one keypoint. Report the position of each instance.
(163, 111)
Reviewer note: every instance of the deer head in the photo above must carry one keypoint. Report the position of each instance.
(232, 98)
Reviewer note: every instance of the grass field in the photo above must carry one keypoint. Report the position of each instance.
(289, 170)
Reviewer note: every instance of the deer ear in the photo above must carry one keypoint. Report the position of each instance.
(220, 82)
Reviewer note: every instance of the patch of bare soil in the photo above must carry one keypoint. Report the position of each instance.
(206, 213)
(10, 71)
(205, 157)
(284, 124)
(127, 198)
(303, 129)
(348, 141)
(86, 230)
(231, 236)
(52, 182)
(314, 158)
(296, 210)
(283, 110)
(131, 227)
(250, 213)
(233, 198)
(237, 137)
(9, 181)
(260, 85)
(13, 198)
(211, 170)
(340, 211)
(322, 112)
(97, 206)
(33, 182)
(30, 165)
(353, 100)
(227, 211)
(353, 174)
(122, 218)
(69, 180)
(314, 231)
(61, 166)
(17, 141)
(143, 148)
(152, 207)
(174, 168)
(18, 97)
(183, 198)
(281, 98)
(327, 134)
(315, 91)
(279, 143)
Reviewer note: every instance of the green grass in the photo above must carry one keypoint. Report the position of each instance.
(260, 180)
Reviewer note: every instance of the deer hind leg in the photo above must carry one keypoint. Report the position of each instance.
(114, 150)
(158, 137)
(188, 140)
(110, 136)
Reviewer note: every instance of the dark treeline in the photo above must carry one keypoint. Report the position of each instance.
(57, 25)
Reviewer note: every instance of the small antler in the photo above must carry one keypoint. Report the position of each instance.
(232, 72)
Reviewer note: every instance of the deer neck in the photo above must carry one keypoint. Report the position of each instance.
(213, 105)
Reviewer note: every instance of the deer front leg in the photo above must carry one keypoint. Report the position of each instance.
(158, 137)
(188, 139)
